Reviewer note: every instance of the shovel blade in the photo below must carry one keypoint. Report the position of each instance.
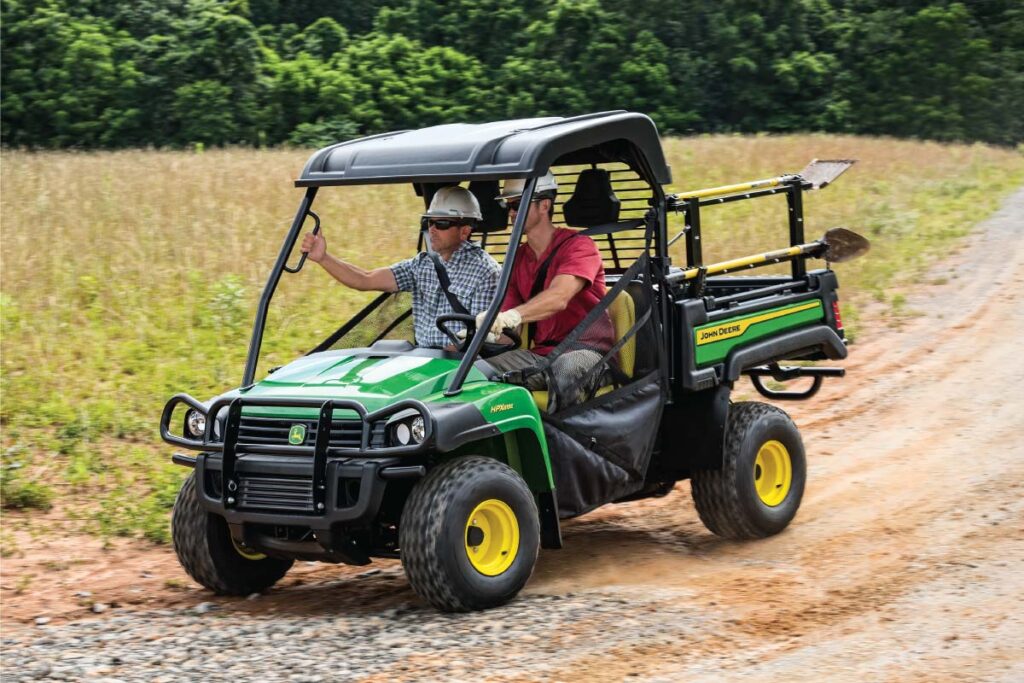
(821, 172)
(844, 245)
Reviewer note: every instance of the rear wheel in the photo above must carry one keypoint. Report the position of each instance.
(758, 490)
(206, 550)
(469, 535)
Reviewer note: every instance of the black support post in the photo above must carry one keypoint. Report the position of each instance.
(506, 274)
(268, 291)
(228, 480)
(795, 201)
(694, 256)
(321, 444)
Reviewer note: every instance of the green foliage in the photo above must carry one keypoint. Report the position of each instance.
(489, 30)
(259, 72)
(203, 110)
(322, 133)
(306, 91)
(65, 79)
(322, 39)
(408, 86)
(227, 306)
(926, 73)
(19, 493)
(356, 15)
(125, 511)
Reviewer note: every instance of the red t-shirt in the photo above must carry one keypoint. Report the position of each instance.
(579, 257)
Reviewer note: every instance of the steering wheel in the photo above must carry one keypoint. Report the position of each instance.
(489, 348)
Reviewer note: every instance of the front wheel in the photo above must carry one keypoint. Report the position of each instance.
(206, 550)
(469, 535)
(758, 490)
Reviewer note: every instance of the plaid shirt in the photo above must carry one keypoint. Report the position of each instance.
(474, 282)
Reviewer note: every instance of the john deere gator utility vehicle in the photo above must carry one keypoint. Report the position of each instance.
(371, 446)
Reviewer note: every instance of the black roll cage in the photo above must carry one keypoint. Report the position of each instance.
(256, 340)
(523, 148)
(455, 386)
(606, 137)
(690, 207)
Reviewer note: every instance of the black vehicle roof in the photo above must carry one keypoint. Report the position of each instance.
(519, 148)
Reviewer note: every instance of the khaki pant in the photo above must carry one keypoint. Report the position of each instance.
(568, 369)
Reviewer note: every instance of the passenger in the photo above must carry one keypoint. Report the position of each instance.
(572, 285)
(453, 214)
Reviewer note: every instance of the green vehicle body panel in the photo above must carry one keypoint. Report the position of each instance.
(377, 382)
(714, 341)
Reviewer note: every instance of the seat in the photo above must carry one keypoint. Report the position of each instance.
(495, 218)
(622, 312)
(593, 201)
(623, 315)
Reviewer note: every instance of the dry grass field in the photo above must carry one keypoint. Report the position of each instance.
(129, 276)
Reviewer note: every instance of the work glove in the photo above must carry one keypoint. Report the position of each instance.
(509, 318)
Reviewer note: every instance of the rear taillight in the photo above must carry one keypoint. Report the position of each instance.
(836, 315)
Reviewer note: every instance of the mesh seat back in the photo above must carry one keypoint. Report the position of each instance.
(593, 200)
(495, 218)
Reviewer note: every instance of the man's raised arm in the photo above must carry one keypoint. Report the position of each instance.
(350, 275)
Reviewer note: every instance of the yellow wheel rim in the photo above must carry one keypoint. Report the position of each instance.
(773, 473)
(246, 553)
(492, 537)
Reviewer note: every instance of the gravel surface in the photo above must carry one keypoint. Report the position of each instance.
(210, 643)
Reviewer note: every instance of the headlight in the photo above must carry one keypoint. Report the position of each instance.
(402, 433)
(195, 422)
(417, 429)
(409, 431)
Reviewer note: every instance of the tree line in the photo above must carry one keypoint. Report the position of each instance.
(135, 73)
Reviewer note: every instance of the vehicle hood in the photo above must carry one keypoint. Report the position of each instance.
(375, 381)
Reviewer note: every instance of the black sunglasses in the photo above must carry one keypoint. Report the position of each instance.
(513, 204)
(444, 224)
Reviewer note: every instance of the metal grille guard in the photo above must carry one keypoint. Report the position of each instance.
(321, 450)
(327, 408)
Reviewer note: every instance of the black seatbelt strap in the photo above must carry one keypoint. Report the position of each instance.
(442, 278)
(538, 285)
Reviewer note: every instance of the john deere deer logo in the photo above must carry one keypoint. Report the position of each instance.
(297, 435)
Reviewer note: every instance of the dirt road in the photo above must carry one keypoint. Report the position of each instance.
(906, 561)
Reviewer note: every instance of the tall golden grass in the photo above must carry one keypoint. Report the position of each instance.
(128, 276)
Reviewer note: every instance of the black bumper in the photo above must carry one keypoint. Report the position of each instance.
(320, 501)
(269, 490)
(271, 507)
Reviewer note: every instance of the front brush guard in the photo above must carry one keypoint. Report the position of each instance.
(321, 451)
(210, 443)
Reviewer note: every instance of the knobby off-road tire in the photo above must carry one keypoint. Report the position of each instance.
(758, 490)
(204, 547)
(469, 535)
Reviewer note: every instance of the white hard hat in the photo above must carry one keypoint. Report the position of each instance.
(454, 202)
(514, 187)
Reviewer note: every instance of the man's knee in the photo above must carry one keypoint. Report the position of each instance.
(523, 363)
(575, 365)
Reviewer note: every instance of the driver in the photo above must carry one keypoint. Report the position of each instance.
(453, 214)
